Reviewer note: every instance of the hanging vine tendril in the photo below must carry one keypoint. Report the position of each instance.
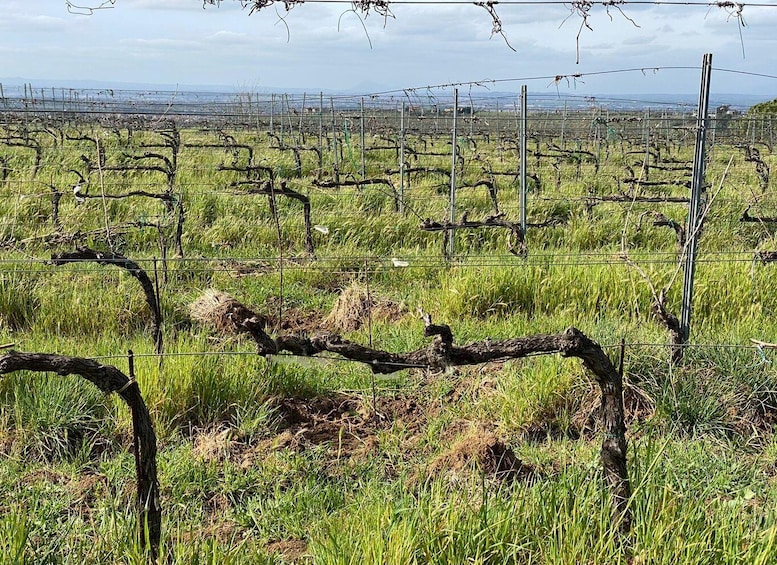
(380, 7)
(88, 10)
(582, 9)
(734, 10)
(496, 28)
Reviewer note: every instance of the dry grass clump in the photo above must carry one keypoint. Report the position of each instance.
(355, 306)
(221, 311)
(638, 406)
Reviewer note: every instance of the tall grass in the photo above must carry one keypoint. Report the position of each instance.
(239, 479)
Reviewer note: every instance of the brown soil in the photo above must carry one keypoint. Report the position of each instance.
(481, 452)
(638, 406)
(220, 311)
(213, 445)
(223, 530)
(290, 550)
(47, 475)
(87, 490)
(294, 320)
(345, 425)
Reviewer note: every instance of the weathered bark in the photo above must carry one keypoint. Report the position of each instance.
(492, 193)
(109, 379)
(634, 198)
(362, 184)
(83, 254)
(516, 245)
(746, 217)
(180, 217)
(295, 150)
(267, 188)
(28, 143)
(766, 257)
(752, 155)
(165, 197)
(659, 220)
(643, 183)
(442, 353)
(4, 168)
(61, 238)
(56, 196)
(671, 323)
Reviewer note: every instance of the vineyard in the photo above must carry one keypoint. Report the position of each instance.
(341, 326)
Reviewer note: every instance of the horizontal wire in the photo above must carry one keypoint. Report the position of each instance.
(304, 262)
(327, 358)
(425, 91)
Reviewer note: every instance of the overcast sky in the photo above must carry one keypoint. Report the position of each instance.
(325, 46)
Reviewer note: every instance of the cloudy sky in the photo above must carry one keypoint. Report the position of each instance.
(327, 46)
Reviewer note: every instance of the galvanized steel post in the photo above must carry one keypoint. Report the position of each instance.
(522, 199)
(454, 154)
(402, 159)
(695, 209)
(361, 136)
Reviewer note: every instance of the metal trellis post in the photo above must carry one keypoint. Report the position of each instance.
(452, 217)
(522, 199)
(695, 209)
(334, 141)
(361, 137)
(402, 159)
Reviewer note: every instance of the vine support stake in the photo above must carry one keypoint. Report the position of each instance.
(320, 124)
(695, 208)
(272, 113)
(402, 159)
(522, 203)
(334, 141)
(361, 136)
(646, 166)
(452, 233)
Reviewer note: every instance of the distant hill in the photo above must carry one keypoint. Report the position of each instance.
(14, 87)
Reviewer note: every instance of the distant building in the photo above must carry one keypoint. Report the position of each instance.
(462, 111)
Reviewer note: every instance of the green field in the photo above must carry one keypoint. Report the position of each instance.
(290, 459)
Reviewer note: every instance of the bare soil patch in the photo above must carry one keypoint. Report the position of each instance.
(290, 550)
(347, 426)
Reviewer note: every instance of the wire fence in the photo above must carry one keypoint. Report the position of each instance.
(68, 156)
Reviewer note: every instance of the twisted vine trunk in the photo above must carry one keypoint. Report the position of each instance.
(442, 353)
(109, 379)
(83, 254)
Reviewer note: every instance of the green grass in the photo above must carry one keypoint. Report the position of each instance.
(286, 460)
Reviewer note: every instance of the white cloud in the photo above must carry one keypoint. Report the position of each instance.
(31, 23)
(160, 43)
(177, 41)
(175, 5)
(228, 37)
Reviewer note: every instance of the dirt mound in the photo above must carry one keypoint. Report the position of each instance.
(289, 550)
(347, 426)
(213, 445)
(220, 311)
(481, 452)
(293, 320)
(355, 306)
